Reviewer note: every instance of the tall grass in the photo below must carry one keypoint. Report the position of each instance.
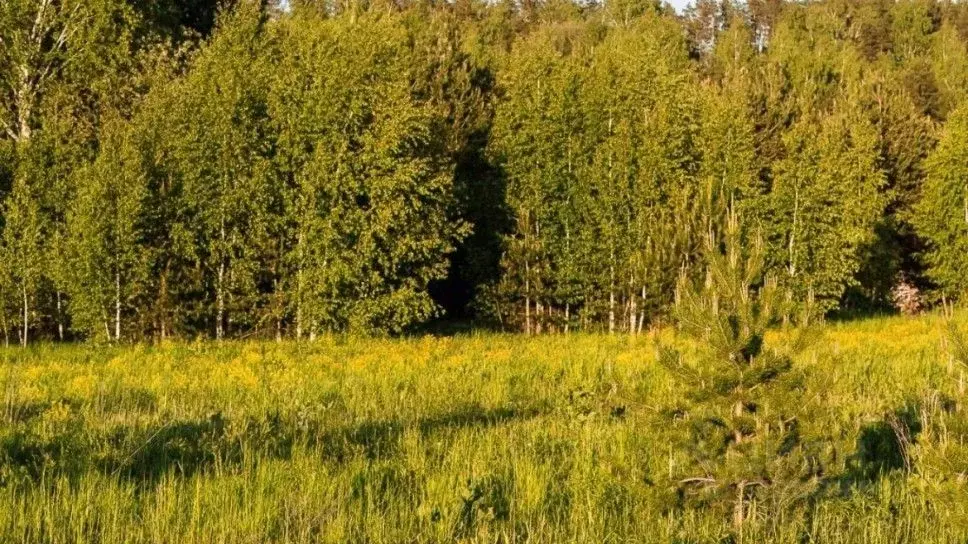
(479, 438)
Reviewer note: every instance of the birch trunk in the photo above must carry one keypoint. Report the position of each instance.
(220, 303)
(220, 288)
(280, 308)
(299, 329)
(60, 318)
(538, 317)
(642, 313)
(793, 232)
(299, 288)
(26, 328)
(24, 105)
(739, 508)
(527, 298)
(162, 303)
(611, 300)
(117, 306)
(278, 329)
(633, 310)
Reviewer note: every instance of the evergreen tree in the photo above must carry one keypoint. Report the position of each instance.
(741, 439)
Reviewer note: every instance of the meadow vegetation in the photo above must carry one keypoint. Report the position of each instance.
(476, 438)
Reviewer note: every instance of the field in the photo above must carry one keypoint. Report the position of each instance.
(477, 438)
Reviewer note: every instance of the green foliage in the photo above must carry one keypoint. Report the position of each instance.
(824, 203)
(742, 437)
(107, 260)
(598, 156)
(370, 208)
(942, 213)
(324, 166)
(22, 253)
(216, 146)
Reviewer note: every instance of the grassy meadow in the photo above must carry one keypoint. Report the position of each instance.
(477, 438)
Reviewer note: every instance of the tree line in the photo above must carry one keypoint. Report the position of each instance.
(250, 168)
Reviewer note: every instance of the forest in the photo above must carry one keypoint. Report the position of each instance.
(236, 169)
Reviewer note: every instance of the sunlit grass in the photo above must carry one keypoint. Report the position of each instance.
(479, 438)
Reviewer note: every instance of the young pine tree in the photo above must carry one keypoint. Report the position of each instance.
(742, 441)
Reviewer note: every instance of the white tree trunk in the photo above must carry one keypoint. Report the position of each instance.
(527, 298)
(642, 313)
(26, 328)
(299, 302)
(793, 233)
(117, 305)
(220, 288)
(966, 204)
(611, 310)
(163, 303)
(24, 105)
(633, 312)
(567, 317)
(42, 43)
(538, 313)
(220, 302)
(611, 300)
(299, 288)
(60, 318)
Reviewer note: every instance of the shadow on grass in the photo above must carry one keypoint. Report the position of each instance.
(883, 447)
(381, 439)
(109, 402)
(184, 448)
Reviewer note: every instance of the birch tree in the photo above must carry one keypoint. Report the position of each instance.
(942, 214)
(825, 200)
(537, 140)
(35, 43)
(370, 207)
(218, 148)
(105, 222)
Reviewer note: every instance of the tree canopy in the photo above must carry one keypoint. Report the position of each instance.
(248, 167)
